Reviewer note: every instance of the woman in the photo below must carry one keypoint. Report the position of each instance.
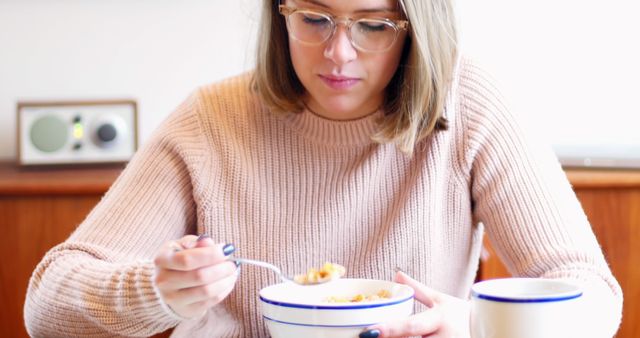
(361, 138)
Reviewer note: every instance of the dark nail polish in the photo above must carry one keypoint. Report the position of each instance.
(202, 237)
(370, 334)
(228, 249)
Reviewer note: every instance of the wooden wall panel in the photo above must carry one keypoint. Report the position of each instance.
(29, 227)
(615, 218)
(39, 209)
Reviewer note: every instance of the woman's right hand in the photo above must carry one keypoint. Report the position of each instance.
(193, 275)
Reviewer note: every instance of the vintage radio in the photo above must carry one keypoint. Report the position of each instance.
(76, 132)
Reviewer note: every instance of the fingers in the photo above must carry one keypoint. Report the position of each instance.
(194, 273)
(423, 293)
(178, 245)
(201, 276)
(188, 242)
(194, 302)
(197, 256)
(212, 293)
(421, 324)
(205, 304)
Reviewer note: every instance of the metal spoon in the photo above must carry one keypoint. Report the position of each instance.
(298, 279)
(277, 270)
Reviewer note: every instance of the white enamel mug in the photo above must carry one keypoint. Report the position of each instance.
(525, 308)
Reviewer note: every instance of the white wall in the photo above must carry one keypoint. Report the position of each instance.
(155, 51)
(569, 67)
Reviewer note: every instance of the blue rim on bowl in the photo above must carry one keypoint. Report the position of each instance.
(339, 306)
(359, 326)
(406, 295)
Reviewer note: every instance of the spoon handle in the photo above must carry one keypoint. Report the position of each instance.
(264, 265)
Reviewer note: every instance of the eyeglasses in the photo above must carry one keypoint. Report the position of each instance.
(366, 34)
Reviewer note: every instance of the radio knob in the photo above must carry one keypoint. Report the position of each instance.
(108, 131)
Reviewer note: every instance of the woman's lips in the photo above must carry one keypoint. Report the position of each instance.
(339, 82)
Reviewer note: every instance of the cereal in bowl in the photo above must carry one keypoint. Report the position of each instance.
(382, 294)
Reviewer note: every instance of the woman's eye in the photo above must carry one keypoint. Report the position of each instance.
(372, 26)
(315, 20)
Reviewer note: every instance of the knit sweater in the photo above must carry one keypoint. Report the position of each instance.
(297, 190)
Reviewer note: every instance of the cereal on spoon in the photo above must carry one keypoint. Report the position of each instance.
(326, 273)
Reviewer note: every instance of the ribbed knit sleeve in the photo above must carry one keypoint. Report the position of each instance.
(99, 282)
(531, 215)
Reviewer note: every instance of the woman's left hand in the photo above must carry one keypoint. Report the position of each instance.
(447, 316)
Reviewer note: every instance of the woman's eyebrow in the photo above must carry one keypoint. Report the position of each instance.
(365, 10)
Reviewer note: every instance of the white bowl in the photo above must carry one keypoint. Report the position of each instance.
(292, 310)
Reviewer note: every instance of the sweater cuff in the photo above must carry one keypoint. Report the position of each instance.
(167, 312)
(602, 300)
(158, 310)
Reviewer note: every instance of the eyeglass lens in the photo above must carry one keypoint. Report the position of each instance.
(366, 34)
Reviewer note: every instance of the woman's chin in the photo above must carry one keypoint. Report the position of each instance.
(342, 111)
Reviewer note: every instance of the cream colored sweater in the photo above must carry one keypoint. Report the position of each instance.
(300, 190)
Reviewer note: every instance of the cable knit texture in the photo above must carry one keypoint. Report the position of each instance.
(299, 190)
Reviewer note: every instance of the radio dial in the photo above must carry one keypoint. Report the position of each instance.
(108, 131)
(49, 133)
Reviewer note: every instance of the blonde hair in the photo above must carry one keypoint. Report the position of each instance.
(415, 96)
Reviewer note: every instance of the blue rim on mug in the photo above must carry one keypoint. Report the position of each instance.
(563, 291)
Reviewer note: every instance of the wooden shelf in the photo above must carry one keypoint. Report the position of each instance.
(603, 178)
(85, 180)
(95, 179)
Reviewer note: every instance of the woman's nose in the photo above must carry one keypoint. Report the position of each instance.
(339, 48)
